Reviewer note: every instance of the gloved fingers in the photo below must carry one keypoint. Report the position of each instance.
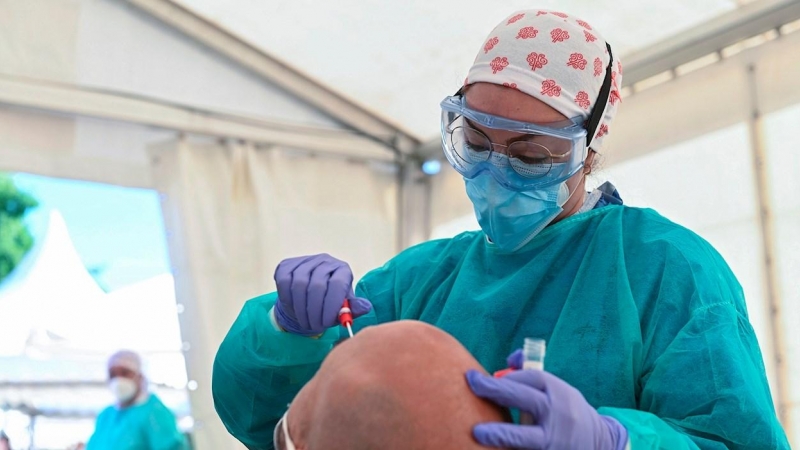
(301, 277)
(287, 266)
(509, 393)
(339, 287)
(322, 308)
(507, 435)
(538, 379)
(515, 359)
(283, 278)
(342, 277)
(358, 305)
(338, 284)
(618, 431)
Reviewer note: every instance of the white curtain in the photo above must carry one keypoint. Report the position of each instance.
(233, 211)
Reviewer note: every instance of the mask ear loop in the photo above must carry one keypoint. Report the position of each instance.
(282, 427)
(287, 438)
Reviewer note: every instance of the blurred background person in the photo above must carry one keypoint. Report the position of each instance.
(138, 420)
(5, 444)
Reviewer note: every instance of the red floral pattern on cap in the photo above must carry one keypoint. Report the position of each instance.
(582, 99)
(550, 88)
(559, 35)
(490, 44)
(537, 60)
(527, 33)
(577, 61)
(565, 62)
(614, 97)
(498, 64)
(515, 18)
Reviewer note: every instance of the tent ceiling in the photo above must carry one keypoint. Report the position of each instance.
(399, 58)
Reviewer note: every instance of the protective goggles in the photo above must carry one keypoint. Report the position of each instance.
(542, 156)
(548, 154)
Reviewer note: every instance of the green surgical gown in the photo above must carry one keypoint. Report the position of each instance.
(147, 426)
(641, 315)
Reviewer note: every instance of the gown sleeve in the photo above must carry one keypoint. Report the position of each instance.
(703, 383)
(259, 368)
(707, 390)
(162, 431)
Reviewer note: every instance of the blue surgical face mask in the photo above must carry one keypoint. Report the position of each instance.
(511, 219)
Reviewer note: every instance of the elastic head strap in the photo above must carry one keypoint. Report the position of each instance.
(602, 101)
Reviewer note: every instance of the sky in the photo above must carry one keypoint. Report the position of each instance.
(118, 232)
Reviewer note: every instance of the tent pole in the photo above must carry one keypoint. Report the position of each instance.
(766, 222)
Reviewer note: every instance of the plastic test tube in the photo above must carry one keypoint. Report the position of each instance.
(532, 359)
(533, 354)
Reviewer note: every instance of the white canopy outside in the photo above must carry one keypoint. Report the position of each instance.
(57, 329)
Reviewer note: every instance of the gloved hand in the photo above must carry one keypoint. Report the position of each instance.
(563, 419)
(311, 291)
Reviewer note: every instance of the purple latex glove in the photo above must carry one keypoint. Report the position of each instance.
(563, 419)
(311, 290)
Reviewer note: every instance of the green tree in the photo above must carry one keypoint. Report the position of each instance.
(15, 239)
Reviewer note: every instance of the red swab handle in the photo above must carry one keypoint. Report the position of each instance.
(502, 373)
(345, 315)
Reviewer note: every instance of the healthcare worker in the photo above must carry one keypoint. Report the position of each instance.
(648, 339)
(138, 420)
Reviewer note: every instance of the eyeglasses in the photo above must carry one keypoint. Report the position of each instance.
(542, 155)
(531, 156)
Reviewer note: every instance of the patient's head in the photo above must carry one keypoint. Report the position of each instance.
(397, 386)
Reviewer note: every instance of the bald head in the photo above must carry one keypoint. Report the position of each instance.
(394, 386)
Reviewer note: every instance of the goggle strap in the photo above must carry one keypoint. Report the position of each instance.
(602, 101)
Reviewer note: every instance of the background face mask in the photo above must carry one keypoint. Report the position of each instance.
(123, 388)
(511, 219)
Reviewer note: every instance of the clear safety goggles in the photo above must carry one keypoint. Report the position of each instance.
(282, 428)
(542, 156)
